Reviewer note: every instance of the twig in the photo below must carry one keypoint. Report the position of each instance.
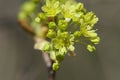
(46, 57)
(49, 62)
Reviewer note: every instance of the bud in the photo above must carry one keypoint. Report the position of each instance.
(62, 24)
(46, 47)
(71, 48)
(90, 48)
(88, 16)
(29, 7)
(95, 40)
(79, 6)
(53, 55)
(37, 19)
(22, 15)
(77, 34)
(56, 66)
(52, 25)
(60, 57)
(42, 16)
(91, 34)
(51, 33)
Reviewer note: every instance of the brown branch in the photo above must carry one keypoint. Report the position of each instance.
(26, 26)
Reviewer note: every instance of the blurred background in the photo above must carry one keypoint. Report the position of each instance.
(19, 61)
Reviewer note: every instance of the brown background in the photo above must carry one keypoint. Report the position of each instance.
(19, 61)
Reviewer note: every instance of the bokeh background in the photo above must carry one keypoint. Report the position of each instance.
(19, 61)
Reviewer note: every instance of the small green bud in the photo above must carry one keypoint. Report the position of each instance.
(91, 34)
(60, 57)
(79, 7)
(42, 16)
(56, 66)
(22, 15)
(88, 16)
(51, 33)
(64, 35)
(52, 25)
(62, 24)
(90, 48)
(63, 50)
(37, 19)
(93, 21)
(95, 40)
(77, 34)
(71, 48)
(46, 47)
(29, 7)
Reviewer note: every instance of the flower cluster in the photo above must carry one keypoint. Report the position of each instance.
(54, 23)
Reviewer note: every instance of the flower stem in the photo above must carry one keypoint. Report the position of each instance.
(49, 62)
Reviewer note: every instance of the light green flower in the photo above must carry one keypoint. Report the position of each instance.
(52, 8)
(90, 48)
(68, 9)
(62, 24)
(90, 18)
